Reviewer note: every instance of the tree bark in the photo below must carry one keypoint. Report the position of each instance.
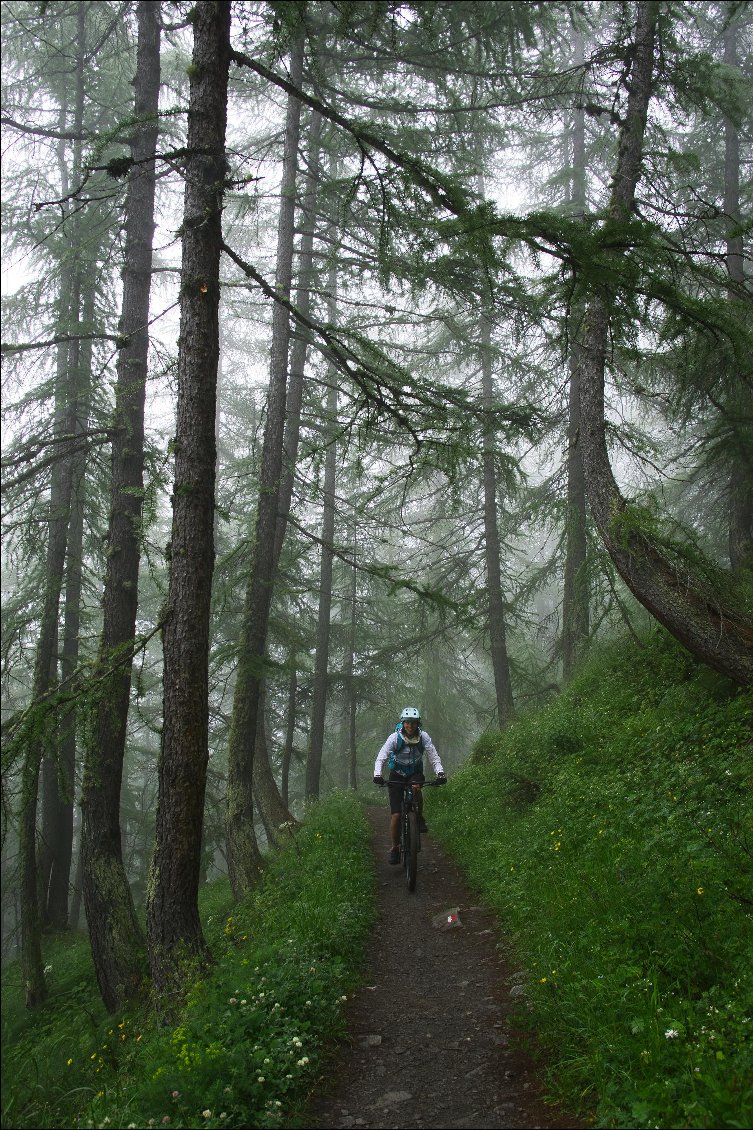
(576, 592)
(741, 476)
(323, 629)
(42, 742)
(301, 339)
(59, 838)
(271, 801)
(78, 891)
(174, 931)
(243, 853)
(321, 663)
(274, 813)
(114, 932)
(349, 663)
(287, 751)
(492, 550)
(497, 625)
(718, 636)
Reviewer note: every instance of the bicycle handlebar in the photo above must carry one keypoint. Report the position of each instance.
(421, 784)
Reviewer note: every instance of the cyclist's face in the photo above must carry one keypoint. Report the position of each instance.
(410, 725)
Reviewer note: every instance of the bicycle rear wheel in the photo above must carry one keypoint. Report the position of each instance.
(411, 850)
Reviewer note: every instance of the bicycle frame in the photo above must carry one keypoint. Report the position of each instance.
(410, 835)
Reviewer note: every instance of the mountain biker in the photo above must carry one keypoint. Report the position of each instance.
(403, 752)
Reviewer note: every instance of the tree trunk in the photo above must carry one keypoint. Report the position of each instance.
(299, 349)
(78, 891)
(114, 932)
(351, 706)
(719, 636)
(273, 811)
(323, 629)
(287, 752)
(174, 931)
(60, 837)
(42, 742)
(270, 800)
(492, 550)
(243, 852)
(741, 476)
(576, 593)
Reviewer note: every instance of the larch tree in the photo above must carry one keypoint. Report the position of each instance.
(321, 661)
(741, 474)
(42, 741)
(576, 589)
(114, 931)
(243, 853)
(174, 933)
(698, 617)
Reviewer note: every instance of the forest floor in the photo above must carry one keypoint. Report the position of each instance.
(432, 1038)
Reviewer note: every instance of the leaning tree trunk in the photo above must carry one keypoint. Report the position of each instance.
(576, 594)
(243, 853)
(114, 932)
(741, 476)
(174, 931)
(718, 636)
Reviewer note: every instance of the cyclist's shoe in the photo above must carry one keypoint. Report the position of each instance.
(394, 856)
(422, 825)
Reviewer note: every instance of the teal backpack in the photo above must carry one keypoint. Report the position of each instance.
(407, 759)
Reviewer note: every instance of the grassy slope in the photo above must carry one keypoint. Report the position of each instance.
(613, 832)
(253, 1033)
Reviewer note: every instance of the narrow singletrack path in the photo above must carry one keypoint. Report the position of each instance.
(431, 1038)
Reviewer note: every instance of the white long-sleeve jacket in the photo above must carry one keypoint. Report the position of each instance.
(391, 744)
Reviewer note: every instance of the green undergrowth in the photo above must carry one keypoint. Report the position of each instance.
(253, 1034)
(613, 833)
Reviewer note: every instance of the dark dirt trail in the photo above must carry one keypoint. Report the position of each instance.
(431, 1039)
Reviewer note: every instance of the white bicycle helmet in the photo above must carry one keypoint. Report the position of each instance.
(410, 714)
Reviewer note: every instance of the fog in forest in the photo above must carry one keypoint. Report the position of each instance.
(354, 357)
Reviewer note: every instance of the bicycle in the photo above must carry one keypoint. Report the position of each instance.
(410, 833)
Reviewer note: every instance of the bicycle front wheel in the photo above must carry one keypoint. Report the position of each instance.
(411, 850)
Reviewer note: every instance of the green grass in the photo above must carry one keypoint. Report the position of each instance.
(254, 1032)
(613, 833)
